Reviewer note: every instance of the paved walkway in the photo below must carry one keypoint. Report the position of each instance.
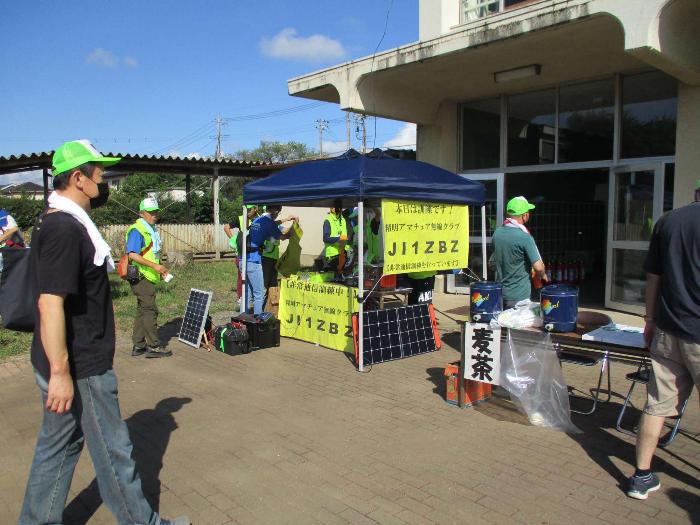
(295, 435)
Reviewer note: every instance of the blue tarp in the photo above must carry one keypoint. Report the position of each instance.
(353, 177)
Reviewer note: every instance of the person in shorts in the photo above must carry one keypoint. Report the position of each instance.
(672, 332)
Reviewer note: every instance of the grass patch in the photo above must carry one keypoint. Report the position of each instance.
(14, 343)
(217, 277)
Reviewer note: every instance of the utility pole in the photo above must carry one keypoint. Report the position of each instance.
(321, 125)
(347, 129)
(360, 120)
(220, 123)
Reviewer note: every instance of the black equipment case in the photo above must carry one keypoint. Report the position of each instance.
(263, 332)
(232, 340)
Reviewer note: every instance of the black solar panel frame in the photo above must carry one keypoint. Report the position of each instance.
(397, 333)
(195, 317)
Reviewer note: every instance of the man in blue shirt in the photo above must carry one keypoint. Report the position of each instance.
(263, 228)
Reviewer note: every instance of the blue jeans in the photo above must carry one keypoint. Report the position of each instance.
(94, 417)
(255, 286)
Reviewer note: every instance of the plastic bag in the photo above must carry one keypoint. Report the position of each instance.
(531, 373)
(525, 314)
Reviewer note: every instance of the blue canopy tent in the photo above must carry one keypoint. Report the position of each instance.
(355, 180)
(354, 177)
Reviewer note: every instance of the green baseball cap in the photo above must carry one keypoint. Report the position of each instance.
(149, 204)
(76, 153)
(518, 206)
(251, 206)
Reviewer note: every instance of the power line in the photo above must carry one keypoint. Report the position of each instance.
(275, 113)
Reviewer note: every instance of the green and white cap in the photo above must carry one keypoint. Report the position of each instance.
(518, 205)
(149, 204)
(75, 153)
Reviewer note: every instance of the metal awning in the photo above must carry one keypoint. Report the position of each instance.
(151, 164)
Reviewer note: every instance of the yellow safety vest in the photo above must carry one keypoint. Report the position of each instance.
(338, 228)
(421, 275)
(372, 243)
(147, 272)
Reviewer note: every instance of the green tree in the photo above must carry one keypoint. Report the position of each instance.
(275, 152)
(24, 209)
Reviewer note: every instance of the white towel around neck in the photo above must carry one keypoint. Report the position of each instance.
(103, 253)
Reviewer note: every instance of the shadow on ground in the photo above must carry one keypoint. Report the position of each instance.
(150, 431)
(169, 330)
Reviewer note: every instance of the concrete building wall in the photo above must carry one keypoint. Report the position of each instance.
(687, 139)
(437, 143)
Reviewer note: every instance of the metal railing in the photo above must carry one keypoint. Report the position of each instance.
(476, 9)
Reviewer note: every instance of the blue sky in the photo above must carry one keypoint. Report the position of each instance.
(143, 76)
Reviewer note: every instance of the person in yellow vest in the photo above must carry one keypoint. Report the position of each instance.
(143, 246)
(335, 237)
(233, 232)
(373, 237)
(271, 249)
(422, 284)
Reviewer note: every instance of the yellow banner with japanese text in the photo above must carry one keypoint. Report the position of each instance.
(420, 237)
(318, 313)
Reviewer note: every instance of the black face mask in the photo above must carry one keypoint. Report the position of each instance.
(102, 195)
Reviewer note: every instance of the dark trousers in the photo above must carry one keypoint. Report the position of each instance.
(269, 268)
(146, 320)
(422, 290)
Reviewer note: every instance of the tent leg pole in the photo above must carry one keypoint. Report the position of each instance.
(483, 242)
(244, 232)
(360, 283)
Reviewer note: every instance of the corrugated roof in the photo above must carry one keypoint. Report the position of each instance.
(149, 163)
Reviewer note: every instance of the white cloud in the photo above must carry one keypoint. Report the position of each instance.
(24, 176)
(289, 46)
(404, 139)
(104, 58)
(331, 148)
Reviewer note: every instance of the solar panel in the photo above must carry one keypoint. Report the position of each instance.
(195, 317)
(397, 333)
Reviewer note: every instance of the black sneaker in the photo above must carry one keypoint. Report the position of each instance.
(639, 488)
(180, 520)
(136, 351)
(158, 352)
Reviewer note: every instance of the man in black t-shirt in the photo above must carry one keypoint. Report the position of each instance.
(73, 350)
(672, 331)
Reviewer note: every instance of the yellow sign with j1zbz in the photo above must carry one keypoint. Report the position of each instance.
(318, 313)
(419, 237)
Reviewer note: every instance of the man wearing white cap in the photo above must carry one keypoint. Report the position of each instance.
(143, 246)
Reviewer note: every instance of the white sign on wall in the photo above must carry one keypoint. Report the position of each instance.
(482, 347)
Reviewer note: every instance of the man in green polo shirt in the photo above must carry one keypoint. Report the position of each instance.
(515, 253)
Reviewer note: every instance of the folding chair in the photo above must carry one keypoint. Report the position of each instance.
(642, 376)
(593, 360)
(590, 321)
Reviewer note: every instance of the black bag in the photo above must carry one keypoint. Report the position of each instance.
(231, 340)
(17, 308)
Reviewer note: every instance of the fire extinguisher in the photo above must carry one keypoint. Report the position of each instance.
(536, 280)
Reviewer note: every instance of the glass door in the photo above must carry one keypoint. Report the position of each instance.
(493, 182)
(636, 203)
